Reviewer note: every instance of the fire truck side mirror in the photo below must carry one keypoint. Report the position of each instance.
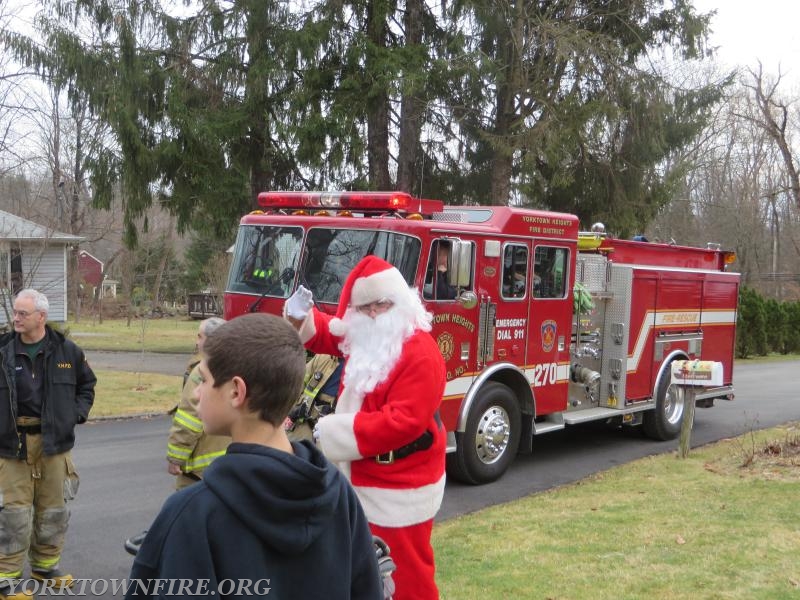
(468, 299)
(461, 271)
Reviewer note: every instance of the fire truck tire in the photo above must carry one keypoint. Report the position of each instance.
(664, 421)
(490, 439)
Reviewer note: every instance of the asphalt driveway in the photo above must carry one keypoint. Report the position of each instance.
(139, 362)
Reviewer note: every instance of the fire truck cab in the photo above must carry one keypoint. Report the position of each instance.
(540, 325)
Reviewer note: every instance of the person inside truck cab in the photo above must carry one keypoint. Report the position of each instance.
(437, 286)
(260, 269)
(548, 272)
(542, 279)
(515, 266)
(518, 285)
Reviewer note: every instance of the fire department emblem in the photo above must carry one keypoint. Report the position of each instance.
(446, 345)
(548, 335)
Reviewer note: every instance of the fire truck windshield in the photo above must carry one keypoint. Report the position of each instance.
(265, 260)
(332, 253)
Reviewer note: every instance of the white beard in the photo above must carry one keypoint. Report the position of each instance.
(372, 347)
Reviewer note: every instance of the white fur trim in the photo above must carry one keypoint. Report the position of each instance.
(337, 439)
(349, 401)
(337, 327)
(399, 508)
(388, 283)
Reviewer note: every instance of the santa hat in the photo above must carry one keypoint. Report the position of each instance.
(371, 280)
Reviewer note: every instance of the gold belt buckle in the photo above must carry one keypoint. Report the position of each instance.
(387, 461)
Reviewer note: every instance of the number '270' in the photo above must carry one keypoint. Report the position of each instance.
(546, 374)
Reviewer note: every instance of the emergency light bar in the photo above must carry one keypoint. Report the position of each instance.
(352, 201)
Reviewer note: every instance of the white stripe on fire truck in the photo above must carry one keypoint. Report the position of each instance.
(670, 319)
(460, 385)
(719, 317)
(562, 373)
(637, 267)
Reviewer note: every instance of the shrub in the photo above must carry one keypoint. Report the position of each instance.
(775, 325)
(751, 323)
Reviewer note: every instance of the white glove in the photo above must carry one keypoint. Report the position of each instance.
(299, 303)
(315, 433)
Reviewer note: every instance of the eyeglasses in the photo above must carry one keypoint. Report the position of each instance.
(23, 314)
(378, 307)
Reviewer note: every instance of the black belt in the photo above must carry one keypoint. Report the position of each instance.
(30, 429)
(423, 442)
(191, 475)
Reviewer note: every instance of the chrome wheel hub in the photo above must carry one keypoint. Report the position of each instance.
(493, 434)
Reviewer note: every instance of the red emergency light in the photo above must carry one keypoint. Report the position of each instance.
(350, 201)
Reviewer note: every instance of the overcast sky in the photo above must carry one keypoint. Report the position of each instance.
(751, 30)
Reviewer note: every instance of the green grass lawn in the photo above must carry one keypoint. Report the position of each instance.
(119, 393)
(152, 335)
(721, 524)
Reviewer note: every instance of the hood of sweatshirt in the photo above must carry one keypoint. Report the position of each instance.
(286, 499)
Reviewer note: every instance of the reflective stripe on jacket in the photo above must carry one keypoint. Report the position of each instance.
(188, 445)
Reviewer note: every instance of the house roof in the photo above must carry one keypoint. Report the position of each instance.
(16, 228)
(93, 257)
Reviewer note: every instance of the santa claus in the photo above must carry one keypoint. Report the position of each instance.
(386, 434)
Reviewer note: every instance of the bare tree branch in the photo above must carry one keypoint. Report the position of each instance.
(774, 120)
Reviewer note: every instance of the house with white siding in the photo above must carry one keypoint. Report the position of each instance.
(33, 256)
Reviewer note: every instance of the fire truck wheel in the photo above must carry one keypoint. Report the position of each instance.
(664, 421)
(490, 440)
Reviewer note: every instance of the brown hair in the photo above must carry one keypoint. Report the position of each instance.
(266, 352)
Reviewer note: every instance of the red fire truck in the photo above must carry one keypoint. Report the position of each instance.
(541, 326)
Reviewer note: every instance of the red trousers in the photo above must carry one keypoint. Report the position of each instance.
(410, 548)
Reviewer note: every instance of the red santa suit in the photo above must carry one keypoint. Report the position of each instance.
(400, 496)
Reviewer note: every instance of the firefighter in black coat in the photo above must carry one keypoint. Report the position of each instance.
(46, 388)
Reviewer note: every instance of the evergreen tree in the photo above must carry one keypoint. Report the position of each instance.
(751, 322)
(565, 110)
(195, 103)
(775, 324)
(371, 70)
(198, 256)
(553, 103)
(791, 339)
